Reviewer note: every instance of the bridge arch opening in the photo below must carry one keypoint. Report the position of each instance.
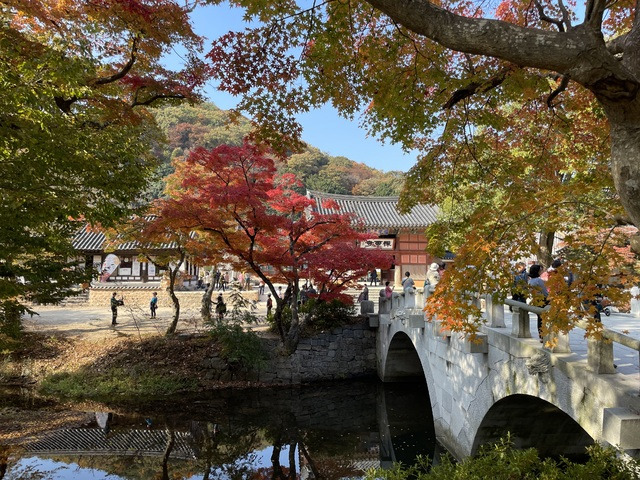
(406, 421)
(533, 422)
(402, 362)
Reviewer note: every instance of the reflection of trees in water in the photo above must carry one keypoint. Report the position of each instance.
(229, 450)
(4, 459)
(326, 433)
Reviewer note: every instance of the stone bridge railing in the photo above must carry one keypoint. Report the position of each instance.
(407, 307)
(606, 406)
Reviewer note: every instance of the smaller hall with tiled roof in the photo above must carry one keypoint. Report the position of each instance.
(401, 234)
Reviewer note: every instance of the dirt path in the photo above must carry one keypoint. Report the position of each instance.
(92, 323)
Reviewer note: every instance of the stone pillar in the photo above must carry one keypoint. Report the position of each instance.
(520, 323)
(420, 297)
(635, 301)
(561, 341)
(384, 304)
(495, 313)
(410, 298)
(397, 276)
(366, 306)
(600, 356)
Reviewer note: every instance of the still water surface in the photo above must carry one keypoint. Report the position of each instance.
(322, 432)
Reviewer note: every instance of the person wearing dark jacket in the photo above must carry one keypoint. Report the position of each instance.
(539, 289)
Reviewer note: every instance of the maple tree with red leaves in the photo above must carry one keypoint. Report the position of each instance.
(232, 196)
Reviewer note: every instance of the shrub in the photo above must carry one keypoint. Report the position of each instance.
(502, 460)
(325, 315)
(239, 348)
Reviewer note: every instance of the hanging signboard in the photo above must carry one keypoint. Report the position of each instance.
(109, 266)
(381, 243)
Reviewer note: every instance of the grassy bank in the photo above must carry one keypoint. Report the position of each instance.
(152, 366)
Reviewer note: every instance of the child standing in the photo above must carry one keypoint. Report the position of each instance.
(153, 305)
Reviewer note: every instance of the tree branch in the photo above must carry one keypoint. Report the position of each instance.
(545, 18)
(579, 53)
(566, 18)
(616, 45)
(561, 88)
(158, 96)
(594, 12)
(477, 87)
(125, 69)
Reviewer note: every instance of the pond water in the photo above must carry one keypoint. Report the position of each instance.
(329, 432)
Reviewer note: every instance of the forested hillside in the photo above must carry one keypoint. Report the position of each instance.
(206, 125)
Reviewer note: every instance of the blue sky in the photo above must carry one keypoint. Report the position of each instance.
(323, 128)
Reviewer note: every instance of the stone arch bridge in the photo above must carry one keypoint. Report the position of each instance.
(557, 401)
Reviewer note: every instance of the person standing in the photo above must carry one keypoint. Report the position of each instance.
(388, 290)
(364, 295)
(373, 277)
(539, 290)
(269, 305)
(153, 304)
(520, 282)
(433, 274)
(115, 303)
(408, 282)
(221, 307)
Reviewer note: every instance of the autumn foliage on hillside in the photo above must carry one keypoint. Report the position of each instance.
(261, 223)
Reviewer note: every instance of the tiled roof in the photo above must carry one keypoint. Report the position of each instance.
(377, 212)
(93, 240)
(94, 441)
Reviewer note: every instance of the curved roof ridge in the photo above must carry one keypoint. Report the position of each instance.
(377, 212)
(366, 198)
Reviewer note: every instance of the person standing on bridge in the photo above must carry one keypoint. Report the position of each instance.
(520, 282)
(388, 291)
(539, 291)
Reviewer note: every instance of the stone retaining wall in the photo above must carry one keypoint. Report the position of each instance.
(345, 352)
(189, 299)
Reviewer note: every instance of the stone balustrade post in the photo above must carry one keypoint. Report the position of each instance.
(495, 312)
(520, 323)
(420, 298)
(410, 298)
(600, 355)
(384, 303)
(561, 341)
(366, 306)
(395, 301)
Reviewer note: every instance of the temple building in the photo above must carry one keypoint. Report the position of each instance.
(121, 261)
(402, 235)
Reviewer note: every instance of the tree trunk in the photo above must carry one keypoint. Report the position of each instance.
(171, 440)
(545, 256)
(173, 273)
(292, 461)
(205, 309)
(625, 163)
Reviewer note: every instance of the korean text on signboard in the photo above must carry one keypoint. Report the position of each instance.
(381, 243)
